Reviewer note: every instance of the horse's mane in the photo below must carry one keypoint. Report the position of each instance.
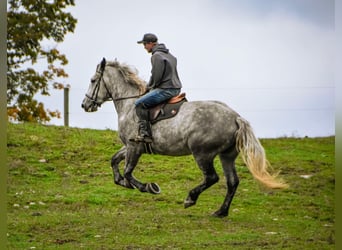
(129, 74)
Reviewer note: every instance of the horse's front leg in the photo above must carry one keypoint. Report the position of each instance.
(132, 157)
(116, 159)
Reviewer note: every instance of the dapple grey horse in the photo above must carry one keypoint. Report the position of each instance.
(205, 129)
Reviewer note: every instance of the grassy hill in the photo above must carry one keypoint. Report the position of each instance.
(61, 195)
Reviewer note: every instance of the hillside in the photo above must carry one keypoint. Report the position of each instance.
(61, 195)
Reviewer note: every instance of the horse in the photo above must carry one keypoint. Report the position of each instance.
(205, 129)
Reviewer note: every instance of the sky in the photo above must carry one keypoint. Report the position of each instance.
(270, 60)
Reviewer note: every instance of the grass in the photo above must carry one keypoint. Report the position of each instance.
(61, 195)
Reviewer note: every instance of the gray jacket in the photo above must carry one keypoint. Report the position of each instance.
(164, 73)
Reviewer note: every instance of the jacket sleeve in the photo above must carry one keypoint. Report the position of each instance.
(157, 72)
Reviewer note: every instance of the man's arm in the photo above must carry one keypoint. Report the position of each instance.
(157, 72)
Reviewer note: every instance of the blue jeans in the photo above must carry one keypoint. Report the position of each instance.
(156, 96)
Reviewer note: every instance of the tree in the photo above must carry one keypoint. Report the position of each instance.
(31, 24)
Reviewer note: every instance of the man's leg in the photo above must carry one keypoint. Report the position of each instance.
(156, 96)
(145, 134)
(143, 104)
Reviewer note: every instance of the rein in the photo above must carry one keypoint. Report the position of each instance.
(124, 98)
(94, 96)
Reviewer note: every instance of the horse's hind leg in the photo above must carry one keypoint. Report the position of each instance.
(210, 178)
(116, 159)
(232, 179)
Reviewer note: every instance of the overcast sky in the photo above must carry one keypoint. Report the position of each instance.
(270, 60)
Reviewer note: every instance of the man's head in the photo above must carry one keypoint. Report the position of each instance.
(149, 40)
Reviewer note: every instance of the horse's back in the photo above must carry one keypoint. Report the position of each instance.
(199, 125)
(213, 114)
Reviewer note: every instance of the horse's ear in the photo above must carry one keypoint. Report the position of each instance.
(103, 63)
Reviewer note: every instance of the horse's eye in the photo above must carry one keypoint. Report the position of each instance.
(93, 80)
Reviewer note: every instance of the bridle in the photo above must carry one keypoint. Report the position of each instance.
(94, 96)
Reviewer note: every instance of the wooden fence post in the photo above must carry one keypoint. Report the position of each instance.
(66, 106)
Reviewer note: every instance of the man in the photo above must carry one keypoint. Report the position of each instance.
(163, 85)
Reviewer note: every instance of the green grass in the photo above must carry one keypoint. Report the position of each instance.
(61, 195)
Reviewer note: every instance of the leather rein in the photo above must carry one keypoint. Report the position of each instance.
(94, 96)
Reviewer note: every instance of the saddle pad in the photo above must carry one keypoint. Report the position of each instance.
(165, 111)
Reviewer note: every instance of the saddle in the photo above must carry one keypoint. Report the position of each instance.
(166, 109)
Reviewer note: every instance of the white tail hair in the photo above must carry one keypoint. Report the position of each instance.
(253, 154)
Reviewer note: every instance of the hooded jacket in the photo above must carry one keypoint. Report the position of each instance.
(164, 73)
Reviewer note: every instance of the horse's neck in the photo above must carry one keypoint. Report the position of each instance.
(125, 108)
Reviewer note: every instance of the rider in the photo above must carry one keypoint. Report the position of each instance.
(163, 85)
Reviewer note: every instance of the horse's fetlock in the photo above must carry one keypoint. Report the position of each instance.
(193, 195)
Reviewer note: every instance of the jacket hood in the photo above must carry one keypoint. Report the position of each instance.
(160, 47)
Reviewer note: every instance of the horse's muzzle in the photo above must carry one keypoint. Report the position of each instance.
(89, 106)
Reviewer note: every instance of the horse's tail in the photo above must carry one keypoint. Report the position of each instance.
(254, 156)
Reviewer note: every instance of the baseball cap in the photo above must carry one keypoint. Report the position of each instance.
(149, 38)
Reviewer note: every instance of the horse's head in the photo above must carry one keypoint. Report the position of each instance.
(97, 91)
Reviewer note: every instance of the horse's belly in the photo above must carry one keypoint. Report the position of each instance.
(170, 144)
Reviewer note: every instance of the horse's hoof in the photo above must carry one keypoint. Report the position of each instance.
(189, 203)
(219, 214)
(153, 188)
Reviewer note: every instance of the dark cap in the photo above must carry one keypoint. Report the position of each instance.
(149, 38)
